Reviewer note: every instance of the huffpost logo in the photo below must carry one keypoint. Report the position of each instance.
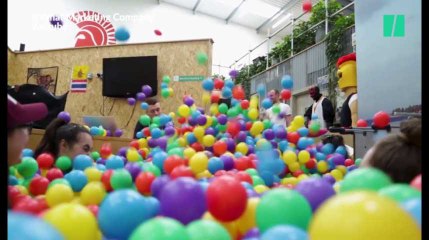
(394, 25)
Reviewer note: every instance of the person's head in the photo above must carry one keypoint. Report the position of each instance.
(154, 108)
(19, 119)
(314, 93)
(274, 95)
(65, 139)
(399, 154)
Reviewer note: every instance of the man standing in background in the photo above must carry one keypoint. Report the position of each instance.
(284, 117)
(322, 107)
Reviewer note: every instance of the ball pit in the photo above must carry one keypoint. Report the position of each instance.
(217, 174)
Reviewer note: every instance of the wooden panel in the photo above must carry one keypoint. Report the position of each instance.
(174, 58)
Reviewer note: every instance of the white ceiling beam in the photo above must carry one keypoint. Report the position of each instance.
(196, 6)
(233, 12)
(272, 17)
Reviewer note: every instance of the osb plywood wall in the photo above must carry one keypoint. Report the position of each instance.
(174, 59)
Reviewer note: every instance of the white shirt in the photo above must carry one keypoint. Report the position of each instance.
(317, 109)
(274, 118)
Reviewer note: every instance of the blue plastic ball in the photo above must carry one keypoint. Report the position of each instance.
(215, 164)
(320, 156)
(159, 159)
(122, 211)
(144, 106)
(287, 82)
(77, 180)
(27, 152)
(122, 34)
(226, 92)
(328, 148)
(101, 167)
(12, 181)
(341, 150)
(267, 103)
(208, 84)
(114, 162)
(82, 161)
(284, 232)
(156, 133)
(37, 228)
(283, 145)
(303, 132)
(229, 83)
(164, 85)
(414, 208)
(261, 90)
(139, 135)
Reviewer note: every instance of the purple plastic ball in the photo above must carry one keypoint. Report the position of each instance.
(228, 162)
(64, 116)
(118, 132)
(241, 136)
(202, 120)
(122, 151)
(329, 179)
(147, 90)
(201, 110)
(338, 159)
(233, 73)
(251, 193)
(192, 121)
(108, 133)
(315, 190)
(274, 143)
(169, 131)
(281, 133)
(252, 233)
(210, 131)
(134, 169)
(183, 199)
(152, 143)
(131, 101)
(230, 144)
(101, 161)
(162, 143)
(158, 184)
(269, 134)
(188, 101)
(222, 119)
(140, 96)
(251, 149)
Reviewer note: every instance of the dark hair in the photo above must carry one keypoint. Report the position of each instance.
(152, 101)
(399, 154)
(57, 130)
(275, 90)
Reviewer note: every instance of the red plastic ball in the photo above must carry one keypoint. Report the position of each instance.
(218, 83)
(242, 163)
(157, 32)
(214, 98)
(306, 6)
(297, 173)
(293, 137)
(53, 174)
(311, 164)
(381, 119)
(362, 123)
(146, 132)
(245, 104)
(285, 94)
(348, 162)
(238, 93)
(219, 148)
(220, 173)
(197, 146)
(171, 162)
(27, 205)
(233, 128)
(105, 179)
(144, 181)
(243, 176)
(93, 209)
(43, 205)
(248, 126)
(417, 182)
(181, 120)
(38, 186)
(13, 193)
(181, 171)
(135, 144)
(45, 160)
(223, 205)
(105, 150)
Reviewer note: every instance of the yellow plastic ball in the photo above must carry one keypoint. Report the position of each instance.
(261, 188)
(302, 177)
(206, 98)
(293, 166)
(214, 109)
(182, 142)
(299, 121)
(198, 163)
(43, 172)
(359, 215)
(289, 180)
(189, 152)
(58, 194)
(142, 143)
(73, 221)
(22, 189)
(289, 157)
(198, 132)
(342, 168)
(337, 174)
(132, 155)
(209, 122)
(93, 193)
(253, 113)
(170, 91)
(303, 156)
(248, 219)
(242, 148)
(204, 174)
(172, 115)
(184, 110)
(322, 166)
(93, 174)
(208, 140)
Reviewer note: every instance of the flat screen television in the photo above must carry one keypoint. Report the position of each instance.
(124, 77)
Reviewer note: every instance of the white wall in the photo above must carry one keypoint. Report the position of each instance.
(28, 23)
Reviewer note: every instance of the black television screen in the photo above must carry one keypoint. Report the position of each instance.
(124, 77)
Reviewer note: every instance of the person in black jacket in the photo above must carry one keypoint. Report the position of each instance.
(322, 107)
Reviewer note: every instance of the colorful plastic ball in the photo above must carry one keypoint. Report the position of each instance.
(158, 184)
(183, 199)
(157, 32)
(283, 206)
(65, 116)
(144, 181)
(28, 167)
(267, 103)
(121, 212)
(114, 162)
(121, 179)
(212, 230)
(57, 194)
(131, 101)
(400, 192)
(73, 221)
(417, 182)
(202, 58)
(340, 216)
(286, 232)
(93, 193)
(285, 94)
(38, 186)
(223, 205)
(160, 229)
(208, 84)
(122, 34)
(414, 207)
(381, 119)
(365, 179)
(77, 180)
(215, 164)
(261, 90)
(287, 82)
(306, 6)
(45, 160)
(362, 123)
(82, 161)
(27, 152)
(316, 191)
(39, 230)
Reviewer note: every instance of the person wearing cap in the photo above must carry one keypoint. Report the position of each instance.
(19, 121)
(321, 107)
(347, 83)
